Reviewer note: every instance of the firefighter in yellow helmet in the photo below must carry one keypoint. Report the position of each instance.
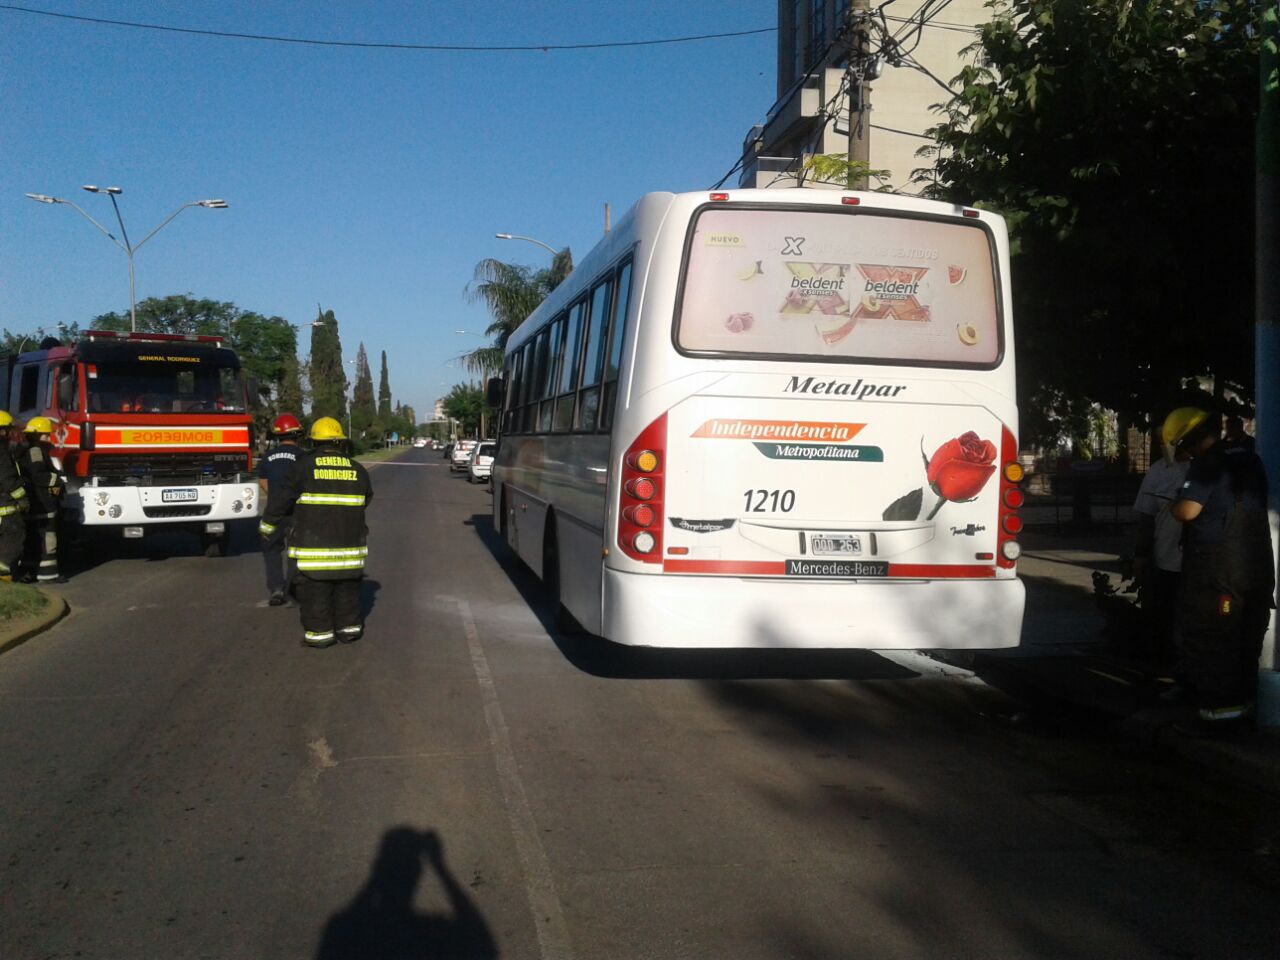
(325, 495)
(1228, 572)
(13, 503)
(45, 485)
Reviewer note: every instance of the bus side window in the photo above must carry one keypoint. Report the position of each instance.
(617, 334)
(593, 356)
(536, 375)
(511, 399)
(566, 392)
(555, 351)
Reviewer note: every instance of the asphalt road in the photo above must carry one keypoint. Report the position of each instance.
(179, 778)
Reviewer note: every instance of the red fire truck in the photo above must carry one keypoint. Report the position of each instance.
(152, 430)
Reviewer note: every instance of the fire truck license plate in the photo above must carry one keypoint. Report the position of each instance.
(178, 496)
(836, 546)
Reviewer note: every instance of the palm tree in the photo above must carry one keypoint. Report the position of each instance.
(511, 291)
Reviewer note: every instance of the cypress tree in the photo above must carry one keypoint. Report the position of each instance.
(289, 398)
(384, 390)
(362, 404)
(325, 373)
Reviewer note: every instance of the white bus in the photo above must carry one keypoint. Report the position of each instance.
(773, 418)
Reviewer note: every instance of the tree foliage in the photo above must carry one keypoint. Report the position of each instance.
(363, 407)
(1117, 140)
(466, 404)
(511, 291)
(384, 390)
(325, 373)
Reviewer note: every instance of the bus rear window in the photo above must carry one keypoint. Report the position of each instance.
(841, 286)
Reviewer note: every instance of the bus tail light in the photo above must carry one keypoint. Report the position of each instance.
(642, 494)
(1011, 498)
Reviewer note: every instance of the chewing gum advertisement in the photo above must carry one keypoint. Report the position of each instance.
(826, 283)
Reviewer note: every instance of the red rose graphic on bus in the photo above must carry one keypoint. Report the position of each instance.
(956, 473)
(960, 468)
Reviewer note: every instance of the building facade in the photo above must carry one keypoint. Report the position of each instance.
(919, 49)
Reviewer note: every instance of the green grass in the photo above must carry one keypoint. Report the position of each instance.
(384, 453)
(18, 601)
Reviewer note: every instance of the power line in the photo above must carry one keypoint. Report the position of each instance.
(538, 47)
(905, 133)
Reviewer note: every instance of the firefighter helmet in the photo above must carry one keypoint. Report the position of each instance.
(38, 425)
(1179, 424)
(285, 424)
(327, 428)
(6, 418)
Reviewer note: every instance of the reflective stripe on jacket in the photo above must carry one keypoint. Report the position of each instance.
(326, 495)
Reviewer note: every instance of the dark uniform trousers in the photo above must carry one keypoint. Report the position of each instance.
(44, 485)
(325, 495)
(13, 526)
(1222, 625)
(281, 569)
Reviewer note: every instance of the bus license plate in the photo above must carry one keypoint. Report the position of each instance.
(178, 496)
(836, 546)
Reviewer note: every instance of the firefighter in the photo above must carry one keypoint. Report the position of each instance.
(1227, 570)
(45, 484)
(276, 464)
(325, 495)
(13, 504)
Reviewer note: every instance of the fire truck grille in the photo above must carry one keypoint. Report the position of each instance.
(151, 468)
(188, 510)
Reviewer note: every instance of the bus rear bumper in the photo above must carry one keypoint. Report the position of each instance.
(665, 610)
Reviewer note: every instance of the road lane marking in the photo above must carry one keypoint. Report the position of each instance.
(540, 885)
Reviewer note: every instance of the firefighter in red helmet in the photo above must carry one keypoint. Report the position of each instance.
(276, 465)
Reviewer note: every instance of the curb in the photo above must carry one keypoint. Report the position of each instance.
(55, 611)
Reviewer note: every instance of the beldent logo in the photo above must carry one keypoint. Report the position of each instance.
(813, 431)
(890, 291)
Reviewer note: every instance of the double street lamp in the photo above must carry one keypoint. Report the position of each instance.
(129, 248)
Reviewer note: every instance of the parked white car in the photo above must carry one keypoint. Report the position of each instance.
(461, 454)
(481, 464)
(420, 443)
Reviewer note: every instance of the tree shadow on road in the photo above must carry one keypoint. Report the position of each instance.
(381, 922)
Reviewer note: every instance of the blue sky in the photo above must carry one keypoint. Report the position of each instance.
(368, 181)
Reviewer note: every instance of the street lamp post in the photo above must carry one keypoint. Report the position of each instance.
(129, 248)
(514, 236)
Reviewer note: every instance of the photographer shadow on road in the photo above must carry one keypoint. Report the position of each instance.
(381, 922)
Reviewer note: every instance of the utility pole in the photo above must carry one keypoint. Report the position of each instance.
(858, 27)
(1267, 325)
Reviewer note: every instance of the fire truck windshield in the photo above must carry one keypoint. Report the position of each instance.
(166, 386)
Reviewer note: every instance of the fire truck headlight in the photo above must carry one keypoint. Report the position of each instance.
(248, 493)
(115, 511)
(101, 499)
(236, 506)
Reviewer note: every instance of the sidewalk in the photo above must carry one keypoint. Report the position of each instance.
(1066, 656)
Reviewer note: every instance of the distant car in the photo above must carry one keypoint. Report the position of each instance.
(461, 454)
(480, 466)
(420, 443)
(437, 445)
